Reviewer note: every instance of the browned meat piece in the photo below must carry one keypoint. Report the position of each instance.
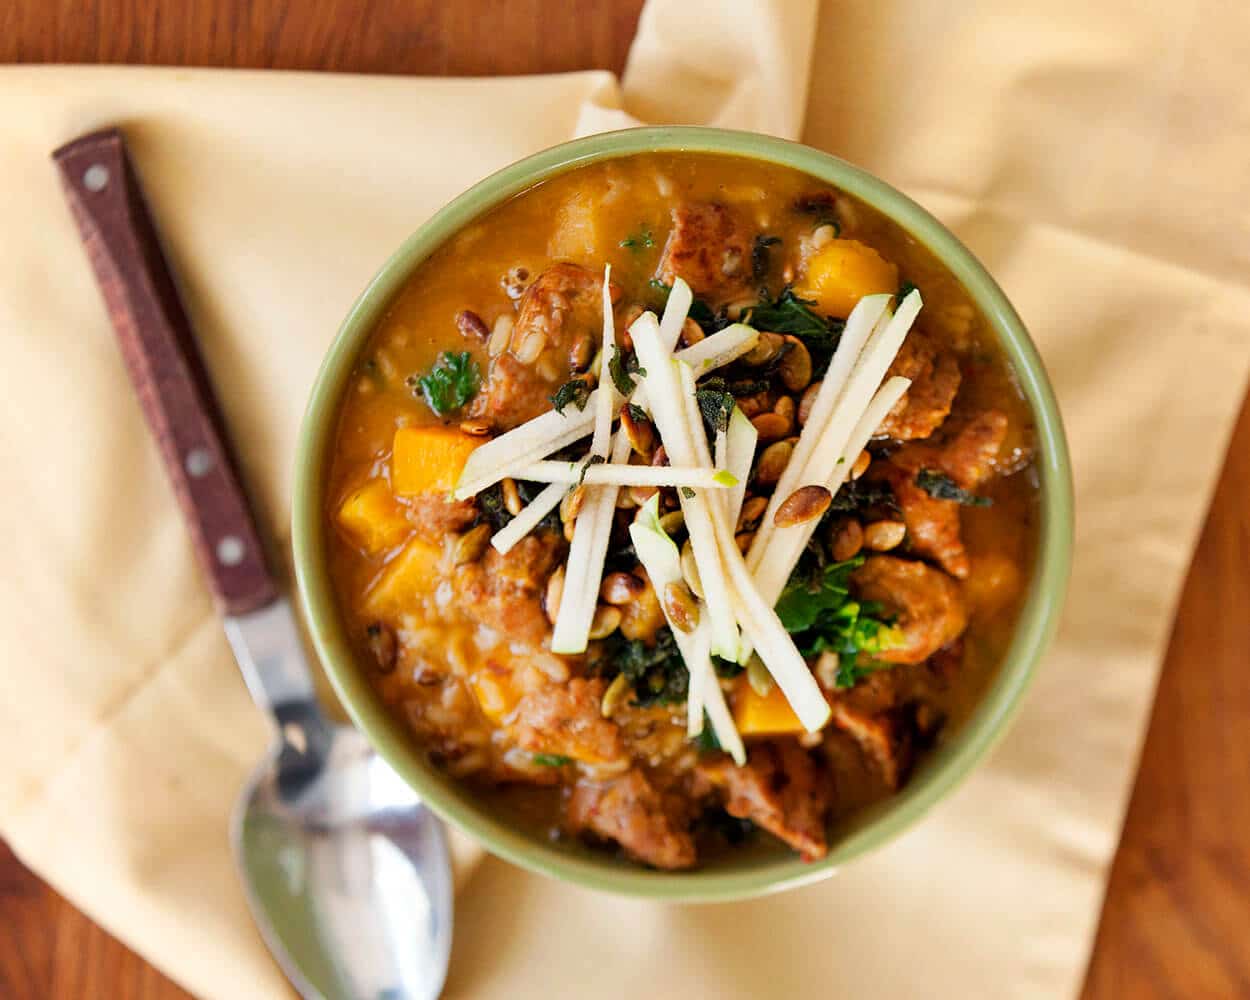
(928, 604)
(504, 592)
(565, 719)
(968, 458)
(630, 810)
(558, 326)
(882, 737)
(437, 516)
(779, 789)
(934, 378)
(710, 248)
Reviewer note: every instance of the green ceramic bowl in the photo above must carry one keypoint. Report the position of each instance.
(755, 870)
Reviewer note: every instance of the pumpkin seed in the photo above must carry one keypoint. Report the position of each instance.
(882, 536)
(771, 426)
(758, 677)
(765, 349)
(806, 402)
(845, 540)
(614, 696)
(511, 497)
(796, 367)
(673, 522)
(475, 428)
(691, 332)
(606, 620)
(752, 511)
(555, 590)
(690, 569)
(621, 588)
(773, 462)
(641, 433)
(572, 503)
(862, 461)
(680, 607)
(827, 670)
(805, 504)
(470, 546)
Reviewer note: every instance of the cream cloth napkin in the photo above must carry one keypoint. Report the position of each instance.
(1094, 156)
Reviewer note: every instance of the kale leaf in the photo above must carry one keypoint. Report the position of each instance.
(657, 672)
(575, 391)
(622, 368)
(857, 496)
(552, 759)
(793, 315)
(451, 383)
(941, 487)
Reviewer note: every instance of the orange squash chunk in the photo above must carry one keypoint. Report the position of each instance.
(429, 459)
(412, 573)
(763, 715)
(841, 273)
(372, 518)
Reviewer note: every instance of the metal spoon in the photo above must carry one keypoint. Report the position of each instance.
(346, 872)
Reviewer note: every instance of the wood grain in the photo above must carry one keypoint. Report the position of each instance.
(1176, 923)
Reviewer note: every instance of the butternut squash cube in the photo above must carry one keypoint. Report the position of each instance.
(429, 459)
(768, 715)
(841, 273)
(411, 575)
(372, 518)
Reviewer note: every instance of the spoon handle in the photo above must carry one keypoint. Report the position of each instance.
(165, 365)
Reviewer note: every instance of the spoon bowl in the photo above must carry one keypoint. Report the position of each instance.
(346, 871)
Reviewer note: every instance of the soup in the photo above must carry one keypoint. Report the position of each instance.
(663, 604)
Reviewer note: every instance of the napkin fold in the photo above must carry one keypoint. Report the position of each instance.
(1095, 159)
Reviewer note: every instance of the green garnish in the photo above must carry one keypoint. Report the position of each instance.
(552, 759)
(640, 240)
(706, 741)
(941, 487)
(793, 315)
(451, 383)
(575, 391)
(687, 492)
(857, 496)
(658, 673)
(637, 413)
(622, 367)
(904, 290)
(716, 403)
(592, 460)
(821, 614)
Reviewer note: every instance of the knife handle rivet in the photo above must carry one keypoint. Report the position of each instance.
(230, 550)
(96, 177)
(198, 462)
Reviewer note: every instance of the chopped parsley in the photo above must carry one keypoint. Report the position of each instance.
(575, 391)
(552, 759)
(904, 290)
(641, 240)
(451, 383)
(819, 612)
(941, 487)
(687, 492)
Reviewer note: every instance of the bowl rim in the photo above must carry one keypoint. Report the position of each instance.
(936, 778)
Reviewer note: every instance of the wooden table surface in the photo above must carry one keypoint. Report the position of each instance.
(1176, 922)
